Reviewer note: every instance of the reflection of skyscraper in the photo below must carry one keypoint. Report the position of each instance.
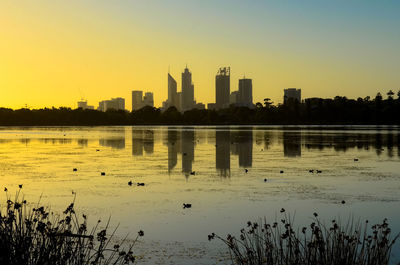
(187, 100)
(222, 152)
(291, 144)
(142, 140)
(113, 142)
(173, 148)
(222, 88)
(137, 142)
(148, 142)
(187, 150)
(398, 145)
(389, 143)
(83, 142)
(245, 148)
(378, 142)
(242, 145)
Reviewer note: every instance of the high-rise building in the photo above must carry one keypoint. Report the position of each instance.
(112, 104)
(137, 97)
(291, 94)
(83, 105)
(148, 99)
(187, 100)
(172, 100)
(222, 87)
(245, 98)
(234, 97)
(138, 101)
(102, 106)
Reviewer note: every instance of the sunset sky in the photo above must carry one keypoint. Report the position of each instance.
(54, 52)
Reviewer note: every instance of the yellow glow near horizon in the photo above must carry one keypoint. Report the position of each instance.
(54, 53)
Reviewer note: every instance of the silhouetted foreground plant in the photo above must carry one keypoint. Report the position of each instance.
(36, 236)
(279, 244)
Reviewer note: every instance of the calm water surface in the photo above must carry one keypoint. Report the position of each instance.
(204, 166)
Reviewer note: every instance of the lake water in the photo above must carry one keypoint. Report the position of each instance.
(205, 166)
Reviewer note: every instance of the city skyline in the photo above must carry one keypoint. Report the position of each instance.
(98, 50)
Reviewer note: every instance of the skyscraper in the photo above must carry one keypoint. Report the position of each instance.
(83, 105)
(112, 104)
(137, 97)
(234, 97)
(187, 101)
(245, 93)
(148, 99)
(291, 94)
(222, 87)
(172, 93)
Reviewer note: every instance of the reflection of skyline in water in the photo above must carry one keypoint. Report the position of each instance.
(173, 148)
(222, 152)
(113, 142)
(242, 145)
(187, 137)
(291, 143)
(181, 143)
(142, 140)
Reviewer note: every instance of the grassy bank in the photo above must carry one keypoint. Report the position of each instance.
(32, 235)
(280, 243)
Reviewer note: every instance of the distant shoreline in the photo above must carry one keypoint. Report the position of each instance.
(339, 111)
(264, 126)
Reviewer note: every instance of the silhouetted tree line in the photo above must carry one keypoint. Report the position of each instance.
(339, 110)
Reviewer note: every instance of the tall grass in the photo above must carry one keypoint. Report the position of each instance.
(334, 244)
(36, 236)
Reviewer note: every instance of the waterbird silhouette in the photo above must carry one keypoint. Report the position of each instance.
(130, 183)
(246, 170)
(97, 150)
(311, 171)
(187, 205)
(75, 169)
(343, 202)
(140, 184)
(355, 159)
(281, 171)
(103, 173)
(193, 173)
(20, 186)
(265, 180)
(319, 171)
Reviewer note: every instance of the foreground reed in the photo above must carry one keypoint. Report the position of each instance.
(34, 236)
(278, 244)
